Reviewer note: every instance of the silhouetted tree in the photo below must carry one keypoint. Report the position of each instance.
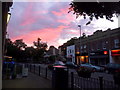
(83, 35)
(20, 44)
(15, 51)
(40, 49)
(95, 9)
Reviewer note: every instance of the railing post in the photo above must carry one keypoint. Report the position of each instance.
(46, 73)
(39, 70)
(26, 65)
(101, 83)
(34, 68)
(68, 70)
(72, 80)
(30, 67)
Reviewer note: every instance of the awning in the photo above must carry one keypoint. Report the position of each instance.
(100, 56)
(115, 52)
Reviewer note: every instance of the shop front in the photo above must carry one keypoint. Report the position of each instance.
(83, 58)
(99, 57)
(115, 56)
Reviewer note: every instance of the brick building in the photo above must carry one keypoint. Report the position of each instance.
(98, 46)
(53, 51)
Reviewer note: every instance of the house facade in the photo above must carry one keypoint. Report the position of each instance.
(71, 53)
(99, 47)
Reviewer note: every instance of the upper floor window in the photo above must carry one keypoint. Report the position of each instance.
(116, 43)
(85, 46)
(81, 47)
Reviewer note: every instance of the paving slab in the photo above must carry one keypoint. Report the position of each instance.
(31, 81)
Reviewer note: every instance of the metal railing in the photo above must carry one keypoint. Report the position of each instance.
(91, 83)
(39, 70)
(75, 81)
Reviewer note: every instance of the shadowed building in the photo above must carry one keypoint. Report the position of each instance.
(5, 9)
(98, 46)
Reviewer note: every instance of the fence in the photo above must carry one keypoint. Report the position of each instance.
(74, 81)
(89, 83)
(39, 70)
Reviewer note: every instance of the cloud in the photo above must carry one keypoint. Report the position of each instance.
(50, 21)
(49, 35)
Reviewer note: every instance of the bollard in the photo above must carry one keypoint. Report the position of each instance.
(39, 70)
(101, 83)
(72, 80)
(34, 68)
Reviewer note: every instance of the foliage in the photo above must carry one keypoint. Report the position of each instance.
(13, 50)
(95, 9)
(19, 44)
(40, 44)
(70, 42)
(19, 50)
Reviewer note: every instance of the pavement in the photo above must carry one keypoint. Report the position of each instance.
(31, 81)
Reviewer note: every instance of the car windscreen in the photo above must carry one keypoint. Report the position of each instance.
(71, 63)
(59, 63)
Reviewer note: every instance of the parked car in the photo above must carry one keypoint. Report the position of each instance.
(50, 66)
(71, 65)
(112, 68)
(92, 67)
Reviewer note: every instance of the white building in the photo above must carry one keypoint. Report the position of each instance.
(71, 53)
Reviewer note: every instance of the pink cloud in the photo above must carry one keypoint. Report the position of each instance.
(67, 16)
(29, 16)
(62, 12)
(48, 34)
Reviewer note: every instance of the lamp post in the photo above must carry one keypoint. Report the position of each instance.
(80, 42)
(8, 17)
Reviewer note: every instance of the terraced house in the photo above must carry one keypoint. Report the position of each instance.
(100, 48)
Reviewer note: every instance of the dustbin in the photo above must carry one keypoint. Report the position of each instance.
(60, 77)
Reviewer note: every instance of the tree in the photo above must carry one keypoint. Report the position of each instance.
(40, 44)
(83, 35)
(20, 44)
(95, 9)
(40, 49)
(14, 49)
(71, 41)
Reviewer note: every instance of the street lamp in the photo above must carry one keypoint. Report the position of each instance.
(80, 42)
(8, 17)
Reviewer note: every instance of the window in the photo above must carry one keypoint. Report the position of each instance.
(104, 45)
(85, 46)
(81, 47)
(116, 43)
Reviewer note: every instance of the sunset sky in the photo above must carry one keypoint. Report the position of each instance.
(51, 22)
